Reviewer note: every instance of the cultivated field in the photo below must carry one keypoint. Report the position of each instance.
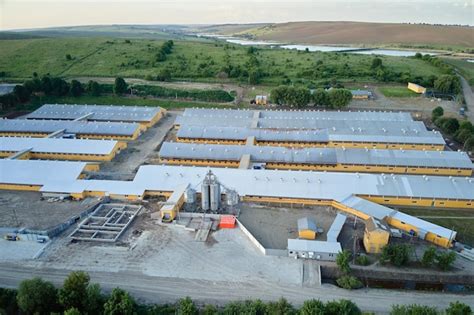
(348, 33)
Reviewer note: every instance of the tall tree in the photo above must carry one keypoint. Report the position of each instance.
(120, 86)
(73, 294)
(119, 303)
(36, 296)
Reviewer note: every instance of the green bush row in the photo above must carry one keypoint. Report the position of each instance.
(197, 95)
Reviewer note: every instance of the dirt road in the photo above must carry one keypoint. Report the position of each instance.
(161, 289)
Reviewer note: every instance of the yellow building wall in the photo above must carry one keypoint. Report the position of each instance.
(375, 240)
(307, 234)
(20, 187)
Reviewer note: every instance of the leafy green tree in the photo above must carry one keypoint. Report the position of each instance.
(281, 307)
(95, 299)
(313, 307)
(93, 88)
(469, 144)
(462, 135)
(46, 86)
(68, 57)
(209, 309)
(76, 88)
(448, 83)
(72, 311)
(164, 75)
(59, 87)
(467, 125)
(120, 86)
(362, 260)
(342, 307)
(445, 260)
(119, 303)
(413, 309)
(397, 254)
(436, 113)
(186, 306)
(8, 303)
(36, 296)
(376, 63)
(339, 97)
(160, 56)
(73, 294)
(342, 260)
(429, 257)
(458, 308)
(349, 282)
(21, 93)
(320, 97)
(450, 126)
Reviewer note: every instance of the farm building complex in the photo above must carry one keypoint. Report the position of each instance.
(360, 163)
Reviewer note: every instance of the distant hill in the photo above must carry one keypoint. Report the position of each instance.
(358, 33)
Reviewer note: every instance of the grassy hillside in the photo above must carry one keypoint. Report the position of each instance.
(190, 60)
(366, 34)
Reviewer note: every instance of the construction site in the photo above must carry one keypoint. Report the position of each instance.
(137, 188)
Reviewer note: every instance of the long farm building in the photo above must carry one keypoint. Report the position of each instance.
(145, 116)
(60, 149)
(318, 159)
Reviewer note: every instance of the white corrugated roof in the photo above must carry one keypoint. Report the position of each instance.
(336, 227)
(99, 112)
(314, 246)
(388, 132)
(58, 145)
(299, 114)
(442, 159)
(76, 127)
(62, 177)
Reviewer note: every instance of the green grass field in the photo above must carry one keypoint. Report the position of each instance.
(397, 91)
(190, 60)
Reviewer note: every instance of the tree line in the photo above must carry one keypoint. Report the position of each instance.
(301, 97)
(462, 132)
(79, 296)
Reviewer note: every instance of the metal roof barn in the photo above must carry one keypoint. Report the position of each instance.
(75, 127)
(57, 145)
(299, 114)
(98, 112)
(442, 159)
(371, 133)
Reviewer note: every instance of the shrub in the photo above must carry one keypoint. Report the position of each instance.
(413, 309)
(462, 135)
(93, 88)
(342, 261)
(320, 97)
(342, 307)
(397, 254)
(436, 113)
(469, 144)
(313, 307)
(362, 260)
(339, 97)
(429, 257)
(349, 282)
(8, 304)
(445, 260)
(458, 308)
(76, 88)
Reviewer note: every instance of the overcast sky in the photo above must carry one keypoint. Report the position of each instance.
(17, 14)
